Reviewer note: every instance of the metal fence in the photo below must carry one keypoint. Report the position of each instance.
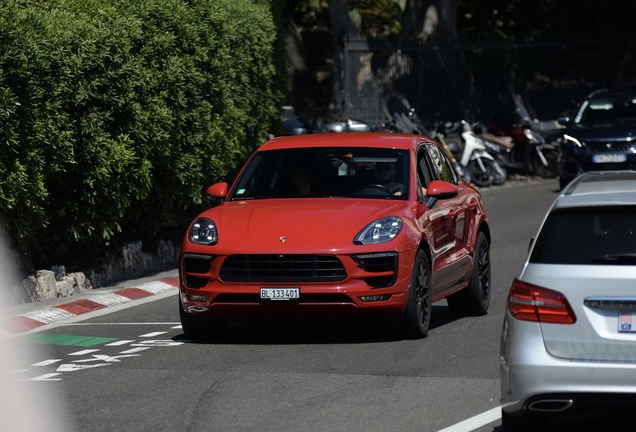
(447, 82)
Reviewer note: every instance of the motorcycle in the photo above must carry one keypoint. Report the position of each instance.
(530, 147)
(481, 166)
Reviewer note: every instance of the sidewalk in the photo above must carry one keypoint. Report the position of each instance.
(24, 317)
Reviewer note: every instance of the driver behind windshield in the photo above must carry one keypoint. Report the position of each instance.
(385, 175)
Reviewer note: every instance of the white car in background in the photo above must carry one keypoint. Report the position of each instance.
(568, 345)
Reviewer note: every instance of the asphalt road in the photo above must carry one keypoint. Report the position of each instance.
(285, 376)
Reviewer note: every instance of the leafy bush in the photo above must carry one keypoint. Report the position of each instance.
(116, 114)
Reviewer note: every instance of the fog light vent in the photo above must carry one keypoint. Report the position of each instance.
(375, 298)
(196, 298)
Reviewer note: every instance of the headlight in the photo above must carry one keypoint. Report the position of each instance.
(203, 231)
(573, 140)
(380, 231)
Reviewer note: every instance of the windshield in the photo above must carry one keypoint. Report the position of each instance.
(598, 235)
(607, 112)
(325, 172)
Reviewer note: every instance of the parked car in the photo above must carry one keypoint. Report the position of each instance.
(568, 346)
(600, 136)
(354, 224)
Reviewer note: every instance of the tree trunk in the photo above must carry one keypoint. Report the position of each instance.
(423, 18)
(342, 27)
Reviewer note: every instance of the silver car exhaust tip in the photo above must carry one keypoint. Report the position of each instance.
(550, 405)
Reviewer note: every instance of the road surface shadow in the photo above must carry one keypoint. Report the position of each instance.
(292, 331)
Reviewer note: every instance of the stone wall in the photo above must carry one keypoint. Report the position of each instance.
(130, 262)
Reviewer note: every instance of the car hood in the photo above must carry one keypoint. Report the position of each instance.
(614, 133)
(297, 225)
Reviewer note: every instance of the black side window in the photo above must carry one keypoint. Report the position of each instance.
(442, 167)
(424, 172)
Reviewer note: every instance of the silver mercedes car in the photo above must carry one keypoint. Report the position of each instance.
(568, 346)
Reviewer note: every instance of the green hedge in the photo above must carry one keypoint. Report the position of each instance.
(115, 115)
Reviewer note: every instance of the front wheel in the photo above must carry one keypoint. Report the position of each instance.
(417, 318)
(546, 171)
(198, 329)
(475, 298)
(481, 177)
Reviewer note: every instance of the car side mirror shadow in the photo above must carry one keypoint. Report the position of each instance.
(217, 193)
(440, 190)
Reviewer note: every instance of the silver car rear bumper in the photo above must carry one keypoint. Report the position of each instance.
(532, 380)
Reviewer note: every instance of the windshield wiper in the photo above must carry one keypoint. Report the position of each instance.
(616, 259)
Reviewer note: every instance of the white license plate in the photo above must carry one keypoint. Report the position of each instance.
(626, 322)
(280, 293)
(608, 158)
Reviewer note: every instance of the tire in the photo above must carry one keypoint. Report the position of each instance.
(549, 171)
(563, 182)
(199, 329)
(417, 318)
(475, 298)
(500, 175)
(479, 177)
(526, 423)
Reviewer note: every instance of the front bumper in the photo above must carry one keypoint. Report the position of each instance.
(575, 160)
(241, 300)
(530, 375)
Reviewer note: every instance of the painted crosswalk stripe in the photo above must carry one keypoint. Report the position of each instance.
(46, 377)
(120, 342)
(134, 350)
(84, 352)
(47, 362)
(153, 334)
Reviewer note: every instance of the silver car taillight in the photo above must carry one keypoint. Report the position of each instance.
(529, 302)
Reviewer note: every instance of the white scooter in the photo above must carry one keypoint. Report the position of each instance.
(482, 167)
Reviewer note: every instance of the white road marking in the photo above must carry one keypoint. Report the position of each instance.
(18, 371)
(134, 350)
(88, 351)
(47, 362)
(109, 359)
(153, 334)
(157, 343)
(177, 327)
(69, 367)
(120, 342)
(475, 422)
(46, 377)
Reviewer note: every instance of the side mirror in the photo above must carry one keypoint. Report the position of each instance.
(440, 190)
(216, 193)
(564, 120)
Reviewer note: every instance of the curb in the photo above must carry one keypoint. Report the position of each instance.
(31, 320)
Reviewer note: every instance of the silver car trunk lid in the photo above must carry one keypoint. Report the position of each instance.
(603, 297)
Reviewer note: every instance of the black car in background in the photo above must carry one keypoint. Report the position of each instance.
(601, 134)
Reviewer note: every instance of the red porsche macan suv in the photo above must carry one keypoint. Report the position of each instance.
(352, 224)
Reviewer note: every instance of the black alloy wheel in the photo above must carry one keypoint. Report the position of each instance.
(475, 298)
(417, 318)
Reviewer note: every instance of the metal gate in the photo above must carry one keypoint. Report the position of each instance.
(447, 82)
